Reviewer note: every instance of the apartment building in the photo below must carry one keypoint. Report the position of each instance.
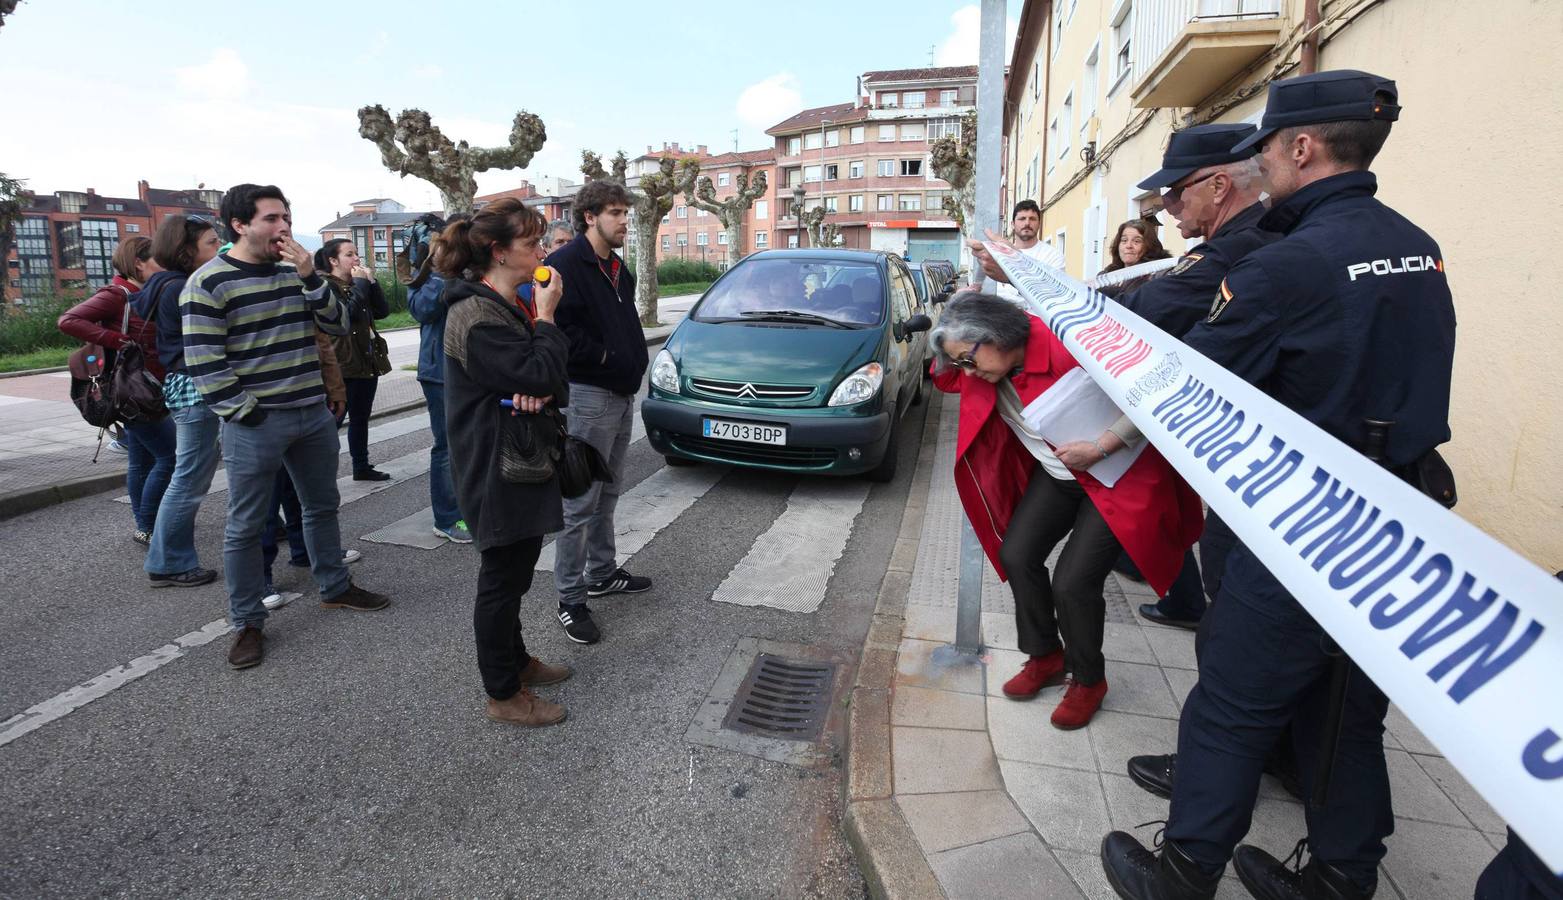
(375, 226)
(1098, 85)
(867, 162)
(689, 232)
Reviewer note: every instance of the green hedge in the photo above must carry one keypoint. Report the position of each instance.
(24, 329)
(683, 271)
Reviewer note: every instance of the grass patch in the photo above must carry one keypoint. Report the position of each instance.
(45, 358)
(399, 319)
(682, 288)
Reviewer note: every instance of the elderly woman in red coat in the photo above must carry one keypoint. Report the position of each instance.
(1024, 495)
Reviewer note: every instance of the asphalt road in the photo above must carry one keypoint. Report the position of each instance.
(356, 761)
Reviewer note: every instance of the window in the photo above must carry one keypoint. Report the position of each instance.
(887, 100)
(794, 146)
(855, 203)
(683, 240)
(832, 171)
(116, 207)
(98, 237)
(830, 204)
(1060, 17)
(811, 173)
(68, 237)
(911, 167)
(913, 131)
(884, 202)
(1066, 121)
(723, 179)
(1122, 20)
(702, 239)
(762, 239)
(947, 98)
(794, 177)
(682, 212)
(666, 218)
(721, 239)
(792, 240)
(379, 234)
(909, 202)
(1052, 138)
(667, 243)
(813, 140)
(914, 99)
(934, 201)
(379, 257)
(132, 228)
(856, 135)
(855, 169)
(762, 209)
(833, 138)
(700, 213)
(1088, 87)
(886, 168)
(939, 128)
(72, 202)
(886, 133)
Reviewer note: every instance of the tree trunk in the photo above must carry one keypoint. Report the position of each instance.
(646, 274)
(455, 203)
(735, 239)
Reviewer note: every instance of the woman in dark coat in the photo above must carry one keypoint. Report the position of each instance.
(360, 295)
(497, 347)
(1135, 242)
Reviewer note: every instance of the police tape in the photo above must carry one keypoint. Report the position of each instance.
(1462, 633)
(1129, 273)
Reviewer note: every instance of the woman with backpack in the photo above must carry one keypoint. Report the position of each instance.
(360, 294)
(181, 245)
(101, 320)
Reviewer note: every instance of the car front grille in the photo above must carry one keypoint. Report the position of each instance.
(793, 457)
(743, 390)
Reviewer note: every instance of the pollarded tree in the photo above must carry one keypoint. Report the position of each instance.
(414, 145)
(651, 199)
(701, 194)
(6, 8)
(954, 159)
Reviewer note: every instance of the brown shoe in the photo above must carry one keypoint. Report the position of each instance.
(539, 672)
(525, 708)
(249, 647)
(356, 598)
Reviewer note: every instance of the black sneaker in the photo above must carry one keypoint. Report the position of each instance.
(356, 598)
(620, 582)
(371, 474)
(578, 624)
(192, 578)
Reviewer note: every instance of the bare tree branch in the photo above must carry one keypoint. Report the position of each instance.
(414, 145)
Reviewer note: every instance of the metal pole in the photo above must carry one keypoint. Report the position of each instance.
(990, 99)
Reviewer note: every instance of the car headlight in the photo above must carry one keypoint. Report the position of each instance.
(859, 386)
(664, 372)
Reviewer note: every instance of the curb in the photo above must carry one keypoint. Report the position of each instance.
(888, 855)
(32, 499)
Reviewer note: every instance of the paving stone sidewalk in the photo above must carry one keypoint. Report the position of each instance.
(1001, 804)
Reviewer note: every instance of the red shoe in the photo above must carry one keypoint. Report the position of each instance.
(1037, 673)
(1080, 703)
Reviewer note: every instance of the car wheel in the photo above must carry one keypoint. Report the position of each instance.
(885, 471)
(679, 461)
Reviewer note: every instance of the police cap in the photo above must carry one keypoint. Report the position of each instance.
(1197, 147)
(1335, 96)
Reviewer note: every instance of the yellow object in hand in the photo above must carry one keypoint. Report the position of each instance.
(542, 276)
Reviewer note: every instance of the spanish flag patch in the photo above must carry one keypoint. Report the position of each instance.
(1223, 297)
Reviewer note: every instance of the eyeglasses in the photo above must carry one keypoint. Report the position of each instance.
(1175, 194)
(967, 361)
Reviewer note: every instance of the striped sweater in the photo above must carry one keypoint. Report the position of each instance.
(249, 334)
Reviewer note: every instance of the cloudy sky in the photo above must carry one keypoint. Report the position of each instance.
(101, 94)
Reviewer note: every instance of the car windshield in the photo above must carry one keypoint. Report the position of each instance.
(850, 293)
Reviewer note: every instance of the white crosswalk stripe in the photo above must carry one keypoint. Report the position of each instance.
(651, 506)
(789, 566)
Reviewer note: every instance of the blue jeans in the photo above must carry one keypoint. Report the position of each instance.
(442, 492)
(285, 512)
(585, 551)
(195, 459)
(304, 440)
(151, 449)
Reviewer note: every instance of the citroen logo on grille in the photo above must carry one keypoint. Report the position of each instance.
(747, 392)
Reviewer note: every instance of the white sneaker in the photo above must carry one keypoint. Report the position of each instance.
(279, 600)
(351, 556)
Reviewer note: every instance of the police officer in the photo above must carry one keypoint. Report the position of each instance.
(1302, 319)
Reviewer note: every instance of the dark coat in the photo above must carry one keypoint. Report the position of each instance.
(1181, 297)
(492, 352)
(607, 344)
(158, 300)
(364, 302)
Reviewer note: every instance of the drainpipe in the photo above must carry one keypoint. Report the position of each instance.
(1310, 47)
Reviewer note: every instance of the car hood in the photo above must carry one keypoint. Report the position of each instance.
(771, 354)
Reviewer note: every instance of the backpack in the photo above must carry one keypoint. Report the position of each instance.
(92, 389)
(109, 389)
(413, 260)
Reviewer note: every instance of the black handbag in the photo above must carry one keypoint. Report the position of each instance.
(530, 445)
(579, 466)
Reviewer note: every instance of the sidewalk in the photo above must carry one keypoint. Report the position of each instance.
(956, 791)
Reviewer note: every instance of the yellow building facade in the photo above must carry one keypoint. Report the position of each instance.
(1097, 86)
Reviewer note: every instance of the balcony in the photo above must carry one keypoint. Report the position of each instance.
(1207, 52)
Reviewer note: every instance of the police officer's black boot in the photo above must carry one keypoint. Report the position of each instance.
(1268, 878)
(1138, 874)
(1154, 773)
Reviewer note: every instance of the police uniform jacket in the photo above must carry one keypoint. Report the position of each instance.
(1179, 299)
(1347, 317)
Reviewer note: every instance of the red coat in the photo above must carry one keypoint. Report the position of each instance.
(99, 318)
(1152, 511)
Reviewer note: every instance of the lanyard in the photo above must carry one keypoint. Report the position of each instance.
(531, 317)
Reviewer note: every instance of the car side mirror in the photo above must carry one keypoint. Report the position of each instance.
(919, 322)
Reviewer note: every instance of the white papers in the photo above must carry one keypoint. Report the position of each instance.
(1075, 409)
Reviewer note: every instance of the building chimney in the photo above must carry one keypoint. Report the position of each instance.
(702, 150)
(92, 192)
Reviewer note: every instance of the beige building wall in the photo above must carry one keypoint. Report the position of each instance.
(1474, 160)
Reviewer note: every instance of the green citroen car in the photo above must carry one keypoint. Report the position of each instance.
(794, 360)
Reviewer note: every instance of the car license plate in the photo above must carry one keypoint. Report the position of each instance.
(745, 432)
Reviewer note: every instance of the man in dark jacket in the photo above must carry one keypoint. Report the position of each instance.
(607, 362)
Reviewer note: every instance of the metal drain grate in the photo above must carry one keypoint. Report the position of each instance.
(782, 698)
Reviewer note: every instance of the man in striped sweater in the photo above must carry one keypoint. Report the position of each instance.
(249, 333)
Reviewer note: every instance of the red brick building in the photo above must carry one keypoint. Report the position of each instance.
(688, 232)
(65, 240)
(867, 162)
